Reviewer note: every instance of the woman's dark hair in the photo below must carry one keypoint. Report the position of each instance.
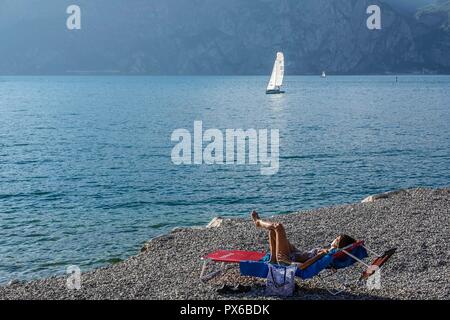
(345, 240)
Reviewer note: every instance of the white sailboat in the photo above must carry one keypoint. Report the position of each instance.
(323, 74)
(276, 79)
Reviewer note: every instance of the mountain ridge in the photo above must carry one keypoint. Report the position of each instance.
(190, 37)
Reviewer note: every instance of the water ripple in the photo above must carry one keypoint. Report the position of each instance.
(86, 175)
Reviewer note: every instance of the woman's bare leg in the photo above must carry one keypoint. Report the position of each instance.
(262, 224)
(283, 245)
(273, 246)
(280, 248)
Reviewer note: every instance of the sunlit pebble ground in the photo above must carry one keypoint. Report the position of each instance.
(415, 221)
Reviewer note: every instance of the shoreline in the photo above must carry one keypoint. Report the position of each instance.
(416, 221)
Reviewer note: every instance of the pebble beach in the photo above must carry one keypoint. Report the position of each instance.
(415, 221)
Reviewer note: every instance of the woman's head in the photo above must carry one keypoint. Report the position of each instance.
(342, 241)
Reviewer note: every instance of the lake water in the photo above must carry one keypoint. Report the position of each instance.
(86, 175)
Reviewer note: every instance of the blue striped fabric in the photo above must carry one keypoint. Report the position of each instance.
(260, 268)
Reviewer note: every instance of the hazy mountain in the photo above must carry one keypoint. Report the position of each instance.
(223, 37)
(408, 6)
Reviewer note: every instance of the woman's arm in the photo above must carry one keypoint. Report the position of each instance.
(305, 265)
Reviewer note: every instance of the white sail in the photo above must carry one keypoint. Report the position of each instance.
(276, 79)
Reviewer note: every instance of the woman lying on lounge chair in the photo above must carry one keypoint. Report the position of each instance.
(283, 252)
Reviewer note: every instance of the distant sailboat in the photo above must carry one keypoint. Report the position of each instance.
(323, 74)
(276, 79)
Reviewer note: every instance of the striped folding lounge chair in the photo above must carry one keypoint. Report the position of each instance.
(335, 259)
